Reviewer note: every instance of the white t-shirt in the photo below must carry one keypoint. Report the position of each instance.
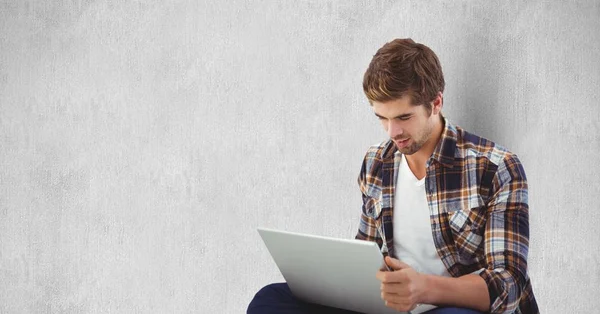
(413, 241)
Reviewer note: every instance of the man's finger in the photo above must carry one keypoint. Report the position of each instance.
(395, 288)
(384, 266)
(395, 298)
(391, 276)
(381, 275)
(395, 264)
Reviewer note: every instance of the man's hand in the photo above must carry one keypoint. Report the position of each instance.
(403, 288)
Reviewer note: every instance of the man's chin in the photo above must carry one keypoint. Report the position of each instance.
(408, 150)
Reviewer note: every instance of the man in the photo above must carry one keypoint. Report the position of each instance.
(451, 206)
(447, 208)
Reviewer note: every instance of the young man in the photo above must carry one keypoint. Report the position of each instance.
(447, 208)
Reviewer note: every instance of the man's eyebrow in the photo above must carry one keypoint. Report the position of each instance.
(406, 115)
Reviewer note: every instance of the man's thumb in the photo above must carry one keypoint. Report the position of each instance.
(395, 264)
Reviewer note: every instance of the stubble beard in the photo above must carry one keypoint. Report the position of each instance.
(415, 146)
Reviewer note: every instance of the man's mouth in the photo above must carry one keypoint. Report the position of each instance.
(402, 143)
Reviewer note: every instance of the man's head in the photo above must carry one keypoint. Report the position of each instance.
(404, 83)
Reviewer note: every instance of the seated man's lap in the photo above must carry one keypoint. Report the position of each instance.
(278, 298)
(452, 310)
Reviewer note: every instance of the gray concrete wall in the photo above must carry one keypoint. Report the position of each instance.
(142, 142)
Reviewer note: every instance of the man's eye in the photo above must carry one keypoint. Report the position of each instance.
(404, 118)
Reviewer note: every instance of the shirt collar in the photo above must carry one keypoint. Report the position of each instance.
(445, 149)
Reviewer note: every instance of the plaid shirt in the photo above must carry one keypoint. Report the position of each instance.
(477, 197)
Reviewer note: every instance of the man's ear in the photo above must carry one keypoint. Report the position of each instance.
(438, 103)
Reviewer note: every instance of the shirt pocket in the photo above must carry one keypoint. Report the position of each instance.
(468, 226)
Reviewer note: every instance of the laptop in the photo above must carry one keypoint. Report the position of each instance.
(332, 272)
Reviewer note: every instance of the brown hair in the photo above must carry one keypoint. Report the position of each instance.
(403, 67)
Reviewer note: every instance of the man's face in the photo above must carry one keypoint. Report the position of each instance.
(409, 126)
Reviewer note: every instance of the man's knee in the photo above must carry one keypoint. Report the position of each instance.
(273, 298)
(274, 290)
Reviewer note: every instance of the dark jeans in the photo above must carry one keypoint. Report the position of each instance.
(278, 298)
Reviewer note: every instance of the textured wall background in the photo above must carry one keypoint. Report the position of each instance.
(142, 142)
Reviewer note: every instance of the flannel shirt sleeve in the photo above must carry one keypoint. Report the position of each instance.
(507, 237)
(367, 228)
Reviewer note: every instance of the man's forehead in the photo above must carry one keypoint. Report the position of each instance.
(393, 108)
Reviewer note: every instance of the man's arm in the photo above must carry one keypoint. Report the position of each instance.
(404, 288)
(506, 237)
(367, 228)
(469, 291)
(506, 244)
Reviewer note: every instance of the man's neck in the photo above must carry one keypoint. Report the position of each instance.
(418, 160)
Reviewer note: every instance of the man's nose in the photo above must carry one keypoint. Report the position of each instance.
(394, 129)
